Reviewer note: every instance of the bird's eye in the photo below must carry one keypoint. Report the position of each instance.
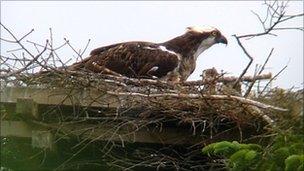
(213, 33)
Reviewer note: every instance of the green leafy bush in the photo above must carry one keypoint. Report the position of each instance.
(286, 153)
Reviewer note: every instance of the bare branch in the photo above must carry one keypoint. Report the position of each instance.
(9, 41)
(196, 96)
(26, 35)
(267, 59)
(68, 43)
(26, 66)
(230, 79)
(85, 48)
(248, 65)
(278, 14)
(273, 79)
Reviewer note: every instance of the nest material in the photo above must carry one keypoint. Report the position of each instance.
(212, 94)
(209, 111)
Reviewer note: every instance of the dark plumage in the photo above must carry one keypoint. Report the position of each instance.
(173, 60)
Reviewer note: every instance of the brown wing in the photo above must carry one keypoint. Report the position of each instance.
(133, 59)
(81, 64)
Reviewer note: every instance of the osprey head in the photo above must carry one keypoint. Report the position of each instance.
(210, 35)
(205, 38)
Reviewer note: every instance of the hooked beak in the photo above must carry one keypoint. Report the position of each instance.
(222, 39)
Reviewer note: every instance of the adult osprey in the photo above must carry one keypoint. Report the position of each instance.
(172, 61)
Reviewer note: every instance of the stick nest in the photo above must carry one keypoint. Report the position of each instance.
(209, 110)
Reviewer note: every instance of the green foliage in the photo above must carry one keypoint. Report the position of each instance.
(294, 162)
(286, 153)
(241, 156)
(283, 153)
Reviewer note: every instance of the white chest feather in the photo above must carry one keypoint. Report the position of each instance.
(203, 46)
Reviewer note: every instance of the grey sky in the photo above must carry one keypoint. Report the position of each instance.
(111, 22)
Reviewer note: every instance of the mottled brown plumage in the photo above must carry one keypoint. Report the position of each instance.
(173, 60)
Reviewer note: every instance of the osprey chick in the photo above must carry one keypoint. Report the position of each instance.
(172, 61)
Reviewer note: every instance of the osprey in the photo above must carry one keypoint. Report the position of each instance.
(171, 61)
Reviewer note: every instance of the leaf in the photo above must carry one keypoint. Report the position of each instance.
(255, 147)
(244, 146)
(301, 167)
(208, 149)
(280, 155)
(237, 160)
(251, 155)
(296, 148)
(222, 144)
(223, 151)
(238, 155)
(293, 162)
(225, 148)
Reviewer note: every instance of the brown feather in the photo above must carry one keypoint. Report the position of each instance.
(133, 59)
(173, 60)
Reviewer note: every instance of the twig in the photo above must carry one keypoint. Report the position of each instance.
(248, 65)
(257, 73)
(85, 48)
(281, 17)
(196, 96)
(26, 66)
(252, 83)
(263, 67)
(266, 61)
(22, 46)
(230, 79)
(26, 35)
(273, 79)
(68, 43)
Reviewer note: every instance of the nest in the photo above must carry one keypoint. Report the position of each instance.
(108, 113)
(112, 111)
